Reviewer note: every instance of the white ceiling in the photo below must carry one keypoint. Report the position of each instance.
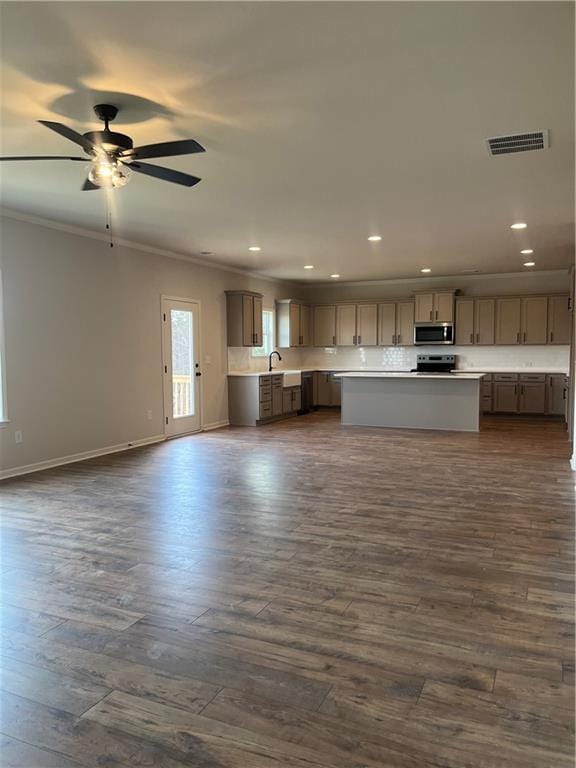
(323, 123)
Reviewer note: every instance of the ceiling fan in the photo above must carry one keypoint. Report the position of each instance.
(113, 156)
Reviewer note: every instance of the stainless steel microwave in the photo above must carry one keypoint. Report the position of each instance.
(434, 333)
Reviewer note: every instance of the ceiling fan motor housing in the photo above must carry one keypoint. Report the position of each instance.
(109, 140)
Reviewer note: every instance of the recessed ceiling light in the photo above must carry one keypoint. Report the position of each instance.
(529, 263)
(309, 266)
(426, 269)
(526, 251)
(518, 225)
(334, 276)
(375, 238)
(254, 248)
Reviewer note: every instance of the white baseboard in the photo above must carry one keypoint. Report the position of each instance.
(26, 469)
(215, 425)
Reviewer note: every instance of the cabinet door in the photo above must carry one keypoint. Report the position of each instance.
(287, 401)
(532, 398)
(557, 390)
(277, 401)
(325, 326)
(346, 325)
(322, 391)
(387, 325)
(294, 325)
(257, 321)
(508, 313)
(505, 397)
(335, 390)
(296, 399)
(304, 325)
(367, 322)
(248, 321)
(405, 323)
(535, 320)
(559, 320)
(444, 307)
(484, 321)
(424, 308)
(464, 322)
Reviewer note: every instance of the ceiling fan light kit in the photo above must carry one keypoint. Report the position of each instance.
(113, 157)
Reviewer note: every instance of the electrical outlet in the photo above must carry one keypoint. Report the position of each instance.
(18, 436)
(149, 415)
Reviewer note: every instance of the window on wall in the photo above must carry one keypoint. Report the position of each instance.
(267, 335)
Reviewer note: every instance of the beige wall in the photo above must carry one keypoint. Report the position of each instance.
(83, 339)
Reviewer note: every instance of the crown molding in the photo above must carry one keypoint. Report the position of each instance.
(134, 245)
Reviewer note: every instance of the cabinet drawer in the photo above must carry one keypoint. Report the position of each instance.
(487, 378)
(486, 403)
(505, 377)
(486, 388)
(265, 381)
(277, 381)
(265, 394)
(537, 377)
(266, 410)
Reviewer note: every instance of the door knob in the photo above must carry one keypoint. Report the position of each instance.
(198, 373)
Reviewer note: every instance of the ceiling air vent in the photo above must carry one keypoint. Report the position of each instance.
(518, 142)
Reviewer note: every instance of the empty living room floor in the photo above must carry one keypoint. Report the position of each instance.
(300, 595)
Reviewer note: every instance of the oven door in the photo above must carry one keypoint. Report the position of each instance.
(433, 333)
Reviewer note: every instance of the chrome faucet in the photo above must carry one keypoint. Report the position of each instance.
(270, 359)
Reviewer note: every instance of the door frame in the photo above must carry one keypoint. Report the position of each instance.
(165, 297)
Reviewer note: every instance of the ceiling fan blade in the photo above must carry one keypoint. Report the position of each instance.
(88, 186)
(48, 157)
(165, 149)
(70, 134)
(166, 174)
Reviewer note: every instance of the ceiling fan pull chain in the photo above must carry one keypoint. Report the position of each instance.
(109, 223)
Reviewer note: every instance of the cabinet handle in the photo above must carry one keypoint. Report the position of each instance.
(398, 338)
(518, 338)
(551, 336)
(393, 338)
(431, 315)
(477, 338)
(353, 339)
(359, 340)
(524, 342)
(436, 314)
(471, 338)
(334, 340)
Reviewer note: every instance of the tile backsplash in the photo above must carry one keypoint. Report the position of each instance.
(404, 358)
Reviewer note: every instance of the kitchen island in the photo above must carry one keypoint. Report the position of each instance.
(449, 401)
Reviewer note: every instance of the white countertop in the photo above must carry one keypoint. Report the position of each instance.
(358, 369)
(407, 375)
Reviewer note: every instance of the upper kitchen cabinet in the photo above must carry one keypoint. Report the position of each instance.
(559, 320)
(244, 318)
(434, 307)
(324, 325)
(522, 320)
(396, 323)
(475, 321)
(292, 323)
(346, 325)
(367, 325)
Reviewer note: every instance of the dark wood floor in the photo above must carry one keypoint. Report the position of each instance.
(294, 596)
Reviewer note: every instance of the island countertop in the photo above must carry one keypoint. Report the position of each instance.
(406, 375)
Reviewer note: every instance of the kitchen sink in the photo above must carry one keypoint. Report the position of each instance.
(292, 378)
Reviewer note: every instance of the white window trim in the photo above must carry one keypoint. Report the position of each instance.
(255, 350)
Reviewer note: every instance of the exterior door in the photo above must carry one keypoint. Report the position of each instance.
(181, 352)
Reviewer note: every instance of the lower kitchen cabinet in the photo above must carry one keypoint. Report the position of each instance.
(532, 396)
(505, 397)
(327, 389)
(557, 394)
(254, 400)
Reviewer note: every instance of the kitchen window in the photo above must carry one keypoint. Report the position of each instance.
(267, 335)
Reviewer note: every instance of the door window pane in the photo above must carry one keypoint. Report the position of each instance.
(182, 363)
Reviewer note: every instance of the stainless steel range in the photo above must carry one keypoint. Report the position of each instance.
(435, 364)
